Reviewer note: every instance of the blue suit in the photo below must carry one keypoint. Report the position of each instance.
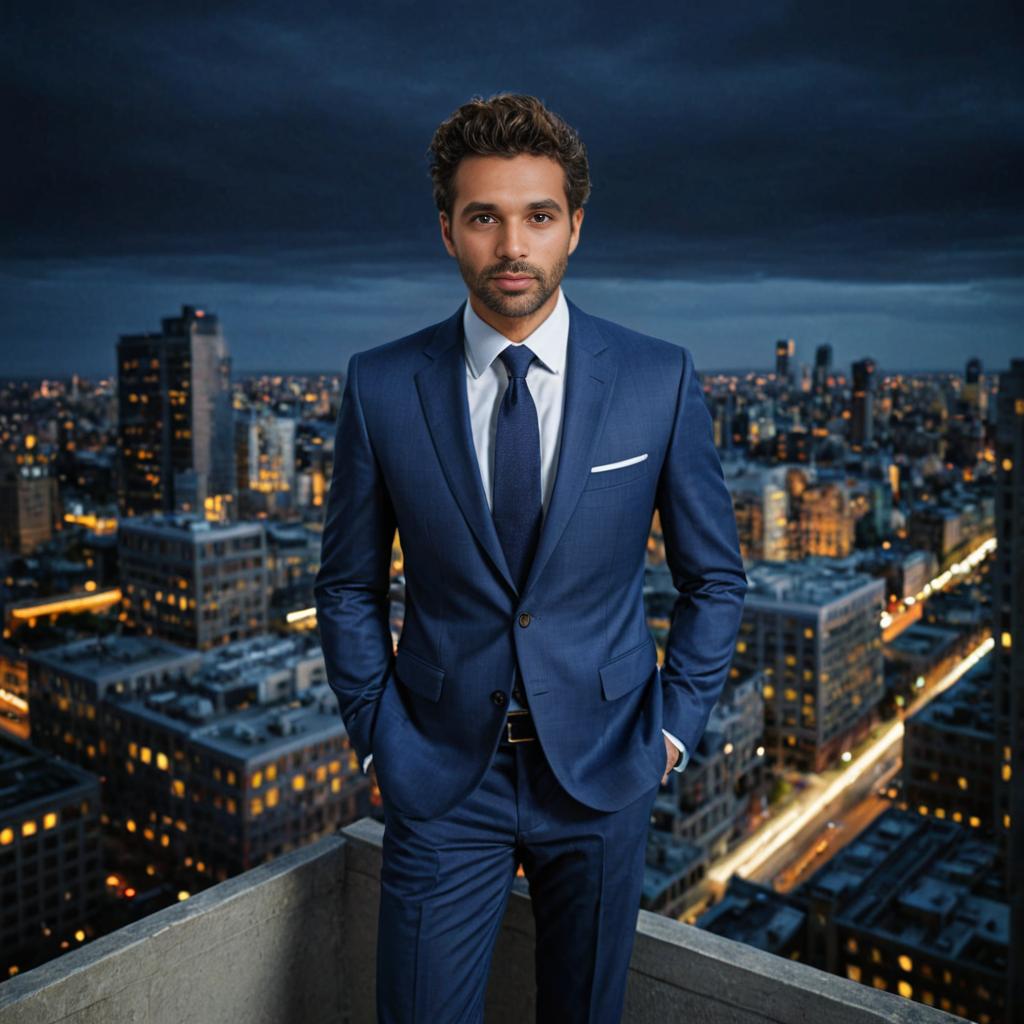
(433, 714)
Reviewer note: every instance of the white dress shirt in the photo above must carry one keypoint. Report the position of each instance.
(486, 381)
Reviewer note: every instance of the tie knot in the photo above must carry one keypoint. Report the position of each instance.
(517, 359)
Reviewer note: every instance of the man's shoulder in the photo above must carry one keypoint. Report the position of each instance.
(389, 353)
(398, 359)
(648, 349)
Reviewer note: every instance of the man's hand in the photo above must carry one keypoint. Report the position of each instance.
(672, 755)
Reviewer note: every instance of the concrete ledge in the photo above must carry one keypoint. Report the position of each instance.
(264, 946)
(295, 941)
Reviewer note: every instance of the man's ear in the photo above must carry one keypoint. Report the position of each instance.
(577, 223)
(446, 228)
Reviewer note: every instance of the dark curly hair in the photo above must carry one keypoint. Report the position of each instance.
(506, 124)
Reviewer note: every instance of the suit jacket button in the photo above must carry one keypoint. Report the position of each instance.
(499, 698)
(524, 619)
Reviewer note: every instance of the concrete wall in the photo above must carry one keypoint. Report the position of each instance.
(261, 948)
(295, 941)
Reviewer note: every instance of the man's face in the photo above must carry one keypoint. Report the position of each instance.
(511, 217)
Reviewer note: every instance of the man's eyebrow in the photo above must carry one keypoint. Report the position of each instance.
(537, 204)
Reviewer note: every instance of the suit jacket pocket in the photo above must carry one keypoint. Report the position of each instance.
(627, 671)
(419, 675)
(614, 477)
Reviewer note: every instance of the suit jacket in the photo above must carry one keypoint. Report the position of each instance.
(432, 712)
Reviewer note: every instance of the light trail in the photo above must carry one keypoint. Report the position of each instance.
(770, 839)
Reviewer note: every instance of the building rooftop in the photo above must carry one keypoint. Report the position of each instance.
(110, 658)
(754, 915)
(930, 885)
(965, 707)
(920, 639)
(31, 776)
(188, 524)
(813, 582)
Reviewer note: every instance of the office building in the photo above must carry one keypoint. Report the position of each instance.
(948, 753)
(814, 629)
(192, 581)
(67, 684)
(51, 877)
(29, 502)
(175, 419)
(862, 405)
(1008, 658)
(265, 457)
(784, 364)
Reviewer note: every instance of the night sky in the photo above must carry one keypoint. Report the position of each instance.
(828, 171)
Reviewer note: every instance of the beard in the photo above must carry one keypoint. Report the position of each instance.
(513, 304)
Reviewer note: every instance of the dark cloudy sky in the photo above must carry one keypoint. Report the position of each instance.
(826, 171)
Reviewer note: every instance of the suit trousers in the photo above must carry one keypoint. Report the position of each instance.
(445, 884)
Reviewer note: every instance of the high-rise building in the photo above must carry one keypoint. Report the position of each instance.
(175, 418)
(862, 406)
(67, 684)
(784, 350)
(760, 502)
(1008, 665)
(51, 875)
(822, 516)
(974, 393)
(193, 582)
(813, 627)
(29, 502)
(822, 368)
(265, 457)
(719, 798)
(947, 753)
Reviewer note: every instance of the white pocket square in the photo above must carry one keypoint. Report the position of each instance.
(618, 465)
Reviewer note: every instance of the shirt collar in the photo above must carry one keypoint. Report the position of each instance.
(548, 342)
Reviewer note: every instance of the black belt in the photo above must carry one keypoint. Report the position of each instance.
(519, 727)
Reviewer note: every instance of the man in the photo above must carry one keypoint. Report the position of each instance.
(520, 447)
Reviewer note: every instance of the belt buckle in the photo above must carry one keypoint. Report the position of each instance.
(508, 727)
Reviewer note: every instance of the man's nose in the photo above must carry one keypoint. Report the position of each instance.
(512, 244)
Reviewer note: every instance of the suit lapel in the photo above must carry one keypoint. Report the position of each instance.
(590, 375)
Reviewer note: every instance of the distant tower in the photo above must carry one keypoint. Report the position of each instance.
(265, 461)
(175, 418)
(861, 432)
(783, 360)
(29, 502)
(822, 367)
(973, 391)
(1008, 665)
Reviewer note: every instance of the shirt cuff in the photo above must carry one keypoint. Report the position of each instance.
(681, 763)
(366, 762)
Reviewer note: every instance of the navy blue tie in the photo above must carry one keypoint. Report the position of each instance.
(516, 497)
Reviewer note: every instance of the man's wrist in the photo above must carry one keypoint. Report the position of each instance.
(684, 754)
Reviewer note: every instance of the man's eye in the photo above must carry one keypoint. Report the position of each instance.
(479, 215)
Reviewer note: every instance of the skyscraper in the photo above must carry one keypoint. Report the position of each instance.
(974, 392)
(1008, 689)
(862, 412)
(175, 418)
(822, 368)
(784, 350)
(265, 461)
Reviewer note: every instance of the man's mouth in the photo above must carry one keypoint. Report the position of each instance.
(513, 282)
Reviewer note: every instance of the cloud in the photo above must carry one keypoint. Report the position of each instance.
(278, 146)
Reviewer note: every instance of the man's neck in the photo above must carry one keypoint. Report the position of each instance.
(515, 328)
